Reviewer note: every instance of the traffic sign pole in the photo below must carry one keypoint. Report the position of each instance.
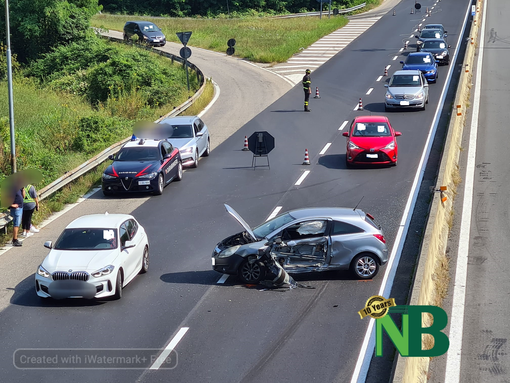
(187, 72)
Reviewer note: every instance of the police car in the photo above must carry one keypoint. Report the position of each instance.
(142, 165)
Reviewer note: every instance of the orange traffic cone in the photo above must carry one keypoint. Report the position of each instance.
(307, 159)
(360, 105)
(317, 92)
(385, 72)
(412, 11)
(405, 45)
(393, 12)
(245, 148)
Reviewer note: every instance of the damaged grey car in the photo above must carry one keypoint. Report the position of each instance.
(305, 240)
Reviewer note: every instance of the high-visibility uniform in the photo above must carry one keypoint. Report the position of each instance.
(307, 84)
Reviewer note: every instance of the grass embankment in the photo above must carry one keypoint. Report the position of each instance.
(265, 40)
(200, 103)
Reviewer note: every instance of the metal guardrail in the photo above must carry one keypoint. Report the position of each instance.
(77, 172)
(340, 12)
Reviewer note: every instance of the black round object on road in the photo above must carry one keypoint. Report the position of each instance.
(185, 53)
(261, 143)
(231, 42)
(417, 6)
(231, 51)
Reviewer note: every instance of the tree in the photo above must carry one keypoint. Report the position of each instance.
(37, 26)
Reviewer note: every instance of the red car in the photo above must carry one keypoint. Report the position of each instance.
(371, 140)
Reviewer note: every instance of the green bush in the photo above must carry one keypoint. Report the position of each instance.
(98, 132)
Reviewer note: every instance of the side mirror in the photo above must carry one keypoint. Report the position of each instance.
(398, 134)
(291, 243)
(386, 85)
(345, 134)
(168, 155)
(199, 134)
(128, 245)
(445, 32)
(402, 62)
(48, 244)
(111, 157)
(278, 241)
(449, 46)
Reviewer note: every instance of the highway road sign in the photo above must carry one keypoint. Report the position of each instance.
(184, 37)
(185, 52)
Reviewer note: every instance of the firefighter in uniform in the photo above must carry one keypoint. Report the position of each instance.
(307, 87)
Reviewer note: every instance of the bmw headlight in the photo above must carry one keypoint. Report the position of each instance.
(104, 271)
(108, 176)
(42, 272)
(187, 150)
(419, 95)
(389, 96)
(353, 146)
(430, 72)
(149, 176)
(228, 252)
(390, 146)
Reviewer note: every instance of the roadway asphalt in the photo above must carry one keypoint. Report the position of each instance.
(238, 333)
(484, 354)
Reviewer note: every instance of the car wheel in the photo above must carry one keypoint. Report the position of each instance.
(365, 266)
(178, 177)
(118, 286)
(126, 39)
(251, 272)
(195, 164)
(145, 261)
(161, 185)
(207, 148)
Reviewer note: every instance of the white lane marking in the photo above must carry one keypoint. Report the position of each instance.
(432, 8)
(420, 24)
(169, 348)
(394, 58)
(407, 42)
(215, 98)
(274, 213)
(302, 178)
(356, 107)
(454, 357)
(388, 66)
(370, 91)
(411, 36)
(401, 49)
(367, 348)
(343, 125)
(325, 148)
(379, 78)
(423, 20)
(223, 279)
(416, 30)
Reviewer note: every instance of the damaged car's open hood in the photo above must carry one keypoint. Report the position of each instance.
(243, 223)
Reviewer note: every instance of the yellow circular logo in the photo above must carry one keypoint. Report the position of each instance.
(376, 307)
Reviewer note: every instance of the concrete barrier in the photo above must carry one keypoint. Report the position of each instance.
(432, 256)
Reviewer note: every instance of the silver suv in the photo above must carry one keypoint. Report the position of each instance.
(407, 89)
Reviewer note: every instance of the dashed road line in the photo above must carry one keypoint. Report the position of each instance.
(325, 148)
(401, 49)
(169, 348)
(379, 78)
(302, 178)
(411, 36)
(343, 125)
(388, 66)
(370, 91)
(274, 213)
(394, 58)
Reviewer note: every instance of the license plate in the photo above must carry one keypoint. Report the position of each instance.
(144, 182)
(404, 102)
(371, 155)
(213, 261)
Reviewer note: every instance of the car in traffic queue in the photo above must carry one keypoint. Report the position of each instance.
(371, 140)
(142, 165)
(436, 26)
(96, 256)
(427, 34)
(439, 48)
(303, 241)
(424, 62)
(407, 89)
(147, 33)
(190, 135)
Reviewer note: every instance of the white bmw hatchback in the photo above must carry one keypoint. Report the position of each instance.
(94, 257)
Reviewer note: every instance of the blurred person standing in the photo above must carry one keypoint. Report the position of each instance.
(17, 193)
(30, 203)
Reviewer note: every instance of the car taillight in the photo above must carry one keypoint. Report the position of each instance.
(380, 237)
(370, 216)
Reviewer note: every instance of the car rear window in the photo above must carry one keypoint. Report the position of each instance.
(431, 34)
(419, 59)
(371, 129)
(405, 80)
(340, 228)
(434, 45)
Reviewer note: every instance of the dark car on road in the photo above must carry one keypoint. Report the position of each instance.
(146, 31)
(142, 166)
(303, 241)
(427, 34)
(424, 62)
(439, 48)
(435, 26)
